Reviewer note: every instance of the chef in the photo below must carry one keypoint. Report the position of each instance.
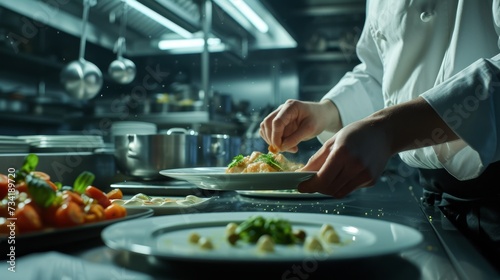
(428, 89)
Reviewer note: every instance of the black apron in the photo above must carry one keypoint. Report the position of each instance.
(473, 206)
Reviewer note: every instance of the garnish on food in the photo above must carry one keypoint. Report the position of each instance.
(259, 162)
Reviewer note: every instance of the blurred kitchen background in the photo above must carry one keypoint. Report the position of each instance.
(294, 49)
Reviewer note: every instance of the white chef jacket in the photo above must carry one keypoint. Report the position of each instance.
(444, 51)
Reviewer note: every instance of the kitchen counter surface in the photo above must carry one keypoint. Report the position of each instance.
(444, 253)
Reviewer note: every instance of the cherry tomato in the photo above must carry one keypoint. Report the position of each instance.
(72, 196)
(98, 195)
(49, 216)
(28, 218)
(52, 185)
(69, 214)
(40, 174)
(115, 211)
(4, 210)
(95, 213)
(6, 227)
(4, 186)
(22, 187)
(115, 194)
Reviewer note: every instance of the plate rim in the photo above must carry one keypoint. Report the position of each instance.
(243, 181)
(157, 224)
(278, 194)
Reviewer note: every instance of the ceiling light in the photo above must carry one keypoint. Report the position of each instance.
(243, 14)
(187, 43)
(250, 14)
(159, 18)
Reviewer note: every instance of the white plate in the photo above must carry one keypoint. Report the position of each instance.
(158, 188)
(283, 194)
(166, 237)
(215, 178)
(180, 205)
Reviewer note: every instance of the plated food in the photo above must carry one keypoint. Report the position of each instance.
(216, 178)
(203, 237)
(31, 201)
(161, 204)
(267, 233)
(261, 162)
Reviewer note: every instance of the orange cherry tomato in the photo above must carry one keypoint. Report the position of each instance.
(28, 218)
(40, 174)
(72, 196)
(52, 185)
(69, 214)
(115, 194)
(94, 214)
(4, 186)
(98, 195)
(115, 211)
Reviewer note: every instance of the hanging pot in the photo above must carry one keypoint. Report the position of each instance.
(122, 70)
(81, 78)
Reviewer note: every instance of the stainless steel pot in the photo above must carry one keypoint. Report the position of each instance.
(219, 149)
(144, 156)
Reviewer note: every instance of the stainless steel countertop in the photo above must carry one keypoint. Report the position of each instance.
(444, 254)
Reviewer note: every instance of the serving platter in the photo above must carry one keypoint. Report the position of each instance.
(215, 178)
(52, 238)
(167, 238)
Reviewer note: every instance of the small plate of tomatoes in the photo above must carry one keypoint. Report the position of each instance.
(37, 214)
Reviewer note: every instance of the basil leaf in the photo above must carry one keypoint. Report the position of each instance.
(40, 191)
(29, 165)
(83, 180)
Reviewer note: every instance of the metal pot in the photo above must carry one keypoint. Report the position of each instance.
(144, 156)
(219, 149)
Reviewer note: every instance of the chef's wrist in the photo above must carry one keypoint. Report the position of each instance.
(334, 122)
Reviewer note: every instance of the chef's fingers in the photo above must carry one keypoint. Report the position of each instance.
(266, 127)
(316, 162)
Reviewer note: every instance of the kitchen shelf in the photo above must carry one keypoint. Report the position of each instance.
(194, 119)
(327, 57)
(31, 58)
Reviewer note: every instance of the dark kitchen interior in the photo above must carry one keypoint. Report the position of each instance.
(209, 93)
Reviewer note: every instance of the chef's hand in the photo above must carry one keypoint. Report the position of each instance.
(353, 158)
(296, 121)
(356, 155)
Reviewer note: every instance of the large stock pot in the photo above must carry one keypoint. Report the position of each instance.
(144, 156)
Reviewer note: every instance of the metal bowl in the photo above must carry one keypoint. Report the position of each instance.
(144, 156)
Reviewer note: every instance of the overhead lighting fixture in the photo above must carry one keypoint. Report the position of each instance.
(251, 15)
(159, 18)
(243, 14)
(187, 43)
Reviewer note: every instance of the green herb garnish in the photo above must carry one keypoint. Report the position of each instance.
(254, 227)
(236, 161)
(40, 191)
(270, 160)
(29, 165)
(83, 180)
